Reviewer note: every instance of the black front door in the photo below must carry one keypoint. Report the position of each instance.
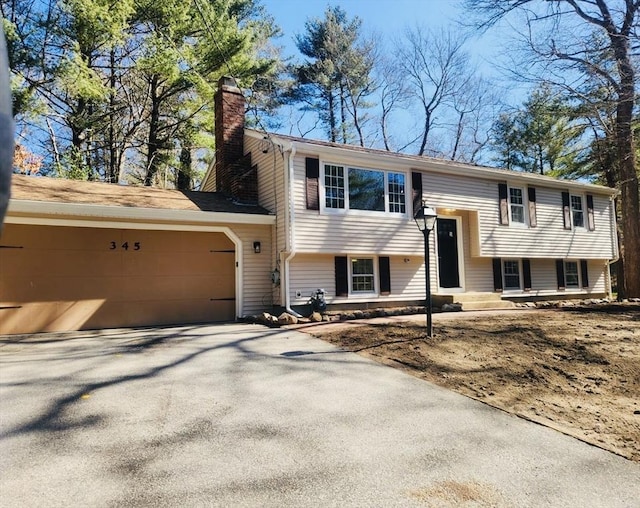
(448, 253)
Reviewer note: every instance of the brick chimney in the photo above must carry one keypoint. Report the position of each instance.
(235, 175)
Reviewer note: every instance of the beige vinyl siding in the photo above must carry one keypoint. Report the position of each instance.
(312, 271)
(257, 288)
(478, 275)
(544, 279)
(352, 232)
(548, 240)
(271, 192)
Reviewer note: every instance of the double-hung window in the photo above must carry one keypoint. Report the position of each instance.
(516, 204)
(362, 275)
(571, 274)
(511, 271)
(334, 186)
(369, 190)
(577, 211)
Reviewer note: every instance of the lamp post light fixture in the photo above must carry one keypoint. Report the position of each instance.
(426, 221)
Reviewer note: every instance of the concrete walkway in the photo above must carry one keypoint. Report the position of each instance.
(241, 415)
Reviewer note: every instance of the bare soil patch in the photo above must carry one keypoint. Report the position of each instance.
(576, 370)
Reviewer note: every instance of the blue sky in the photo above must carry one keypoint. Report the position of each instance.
(387, 19)
(384, 17)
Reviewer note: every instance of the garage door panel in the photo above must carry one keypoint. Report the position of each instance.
(186, 263)
(51, 238)
(52, 316)
(50, 289)
(34, 263)
(66, 278)
(161, 313)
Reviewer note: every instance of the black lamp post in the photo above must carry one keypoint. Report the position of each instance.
(426, 221)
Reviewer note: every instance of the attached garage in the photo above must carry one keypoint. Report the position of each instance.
(66, 266)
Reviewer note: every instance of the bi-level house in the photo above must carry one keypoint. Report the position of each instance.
(279, 217)
(344, 223)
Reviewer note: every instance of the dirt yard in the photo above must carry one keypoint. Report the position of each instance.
(576, 370)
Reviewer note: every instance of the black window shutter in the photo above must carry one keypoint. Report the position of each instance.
(533, 218)
(416, 187)
(526, 274)
(584, 271)
(342, 276)
(312, 174)
(566, 210)
(497, 274)
(385, 275)
(591, 220)
(504, 204)
(560, 273)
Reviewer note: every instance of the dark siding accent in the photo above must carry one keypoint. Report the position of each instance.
(504, 203)
(416, 189)
(566, 210)
(342, 276)
(385, 275)
(591, 219)
(312, 173)
(560, 273)
(497, 274)
(526, 274)
(584, 271)
(533, 217)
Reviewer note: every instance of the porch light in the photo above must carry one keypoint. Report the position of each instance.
(426, 221)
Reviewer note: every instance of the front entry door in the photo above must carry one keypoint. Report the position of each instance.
(448, 253)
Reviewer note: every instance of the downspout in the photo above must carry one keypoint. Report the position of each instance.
(290, 245)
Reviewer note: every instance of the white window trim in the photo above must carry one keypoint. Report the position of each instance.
(579, 272)
(504, 278)
(347, 209)
(525, 212)
(583, 202)
(376, 276)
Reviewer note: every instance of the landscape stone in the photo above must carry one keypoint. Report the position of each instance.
(287, 319)
(316, 317)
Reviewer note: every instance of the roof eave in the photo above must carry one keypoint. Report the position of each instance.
(18, 207)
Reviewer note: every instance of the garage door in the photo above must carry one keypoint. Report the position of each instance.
(67, 278)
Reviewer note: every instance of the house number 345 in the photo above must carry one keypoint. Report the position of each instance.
(124, 246)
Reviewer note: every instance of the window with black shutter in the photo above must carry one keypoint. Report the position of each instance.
(591, 220)
(342, 276)
(526, 274)
(312, 175)
(385, 275)
(497, 274)
(560, 273)
(503, 203)
(533, 217)
(566, 210)
(584, 272)
(416, 187)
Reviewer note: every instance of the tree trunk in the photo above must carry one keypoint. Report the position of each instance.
(333, 135)
(112, 170)
(628, 176)
(152, 140)
(183, 181)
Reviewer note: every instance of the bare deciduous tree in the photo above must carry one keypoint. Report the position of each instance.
(573, 40)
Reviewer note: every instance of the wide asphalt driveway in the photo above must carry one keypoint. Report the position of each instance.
(241, 415)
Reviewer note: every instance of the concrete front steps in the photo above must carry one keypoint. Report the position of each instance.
(478, 301)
